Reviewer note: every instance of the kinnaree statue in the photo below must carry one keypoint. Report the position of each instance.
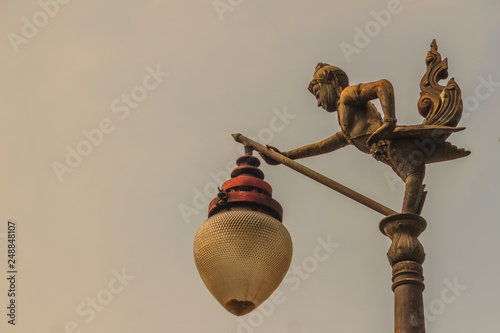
(406, 149)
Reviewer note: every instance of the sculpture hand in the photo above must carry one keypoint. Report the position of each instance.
(381, 132)
(269, 160)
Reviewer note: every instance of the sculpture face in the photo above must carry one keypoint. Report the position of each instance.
(326, 95)
(327, 85)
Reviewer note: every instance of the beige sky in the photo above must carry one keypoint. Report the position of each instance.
(116, 119)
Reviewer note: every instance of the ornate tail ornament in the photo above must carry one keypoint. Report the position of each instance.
(437, 104)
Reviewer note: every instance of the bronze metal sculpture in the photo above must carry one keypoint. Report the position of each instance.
(403, 148)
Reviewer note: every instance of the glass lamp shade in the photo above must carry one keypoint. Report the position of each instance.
(242, 255)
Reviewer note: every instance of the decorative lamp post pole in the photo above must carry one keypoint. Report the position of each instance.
(230, 249)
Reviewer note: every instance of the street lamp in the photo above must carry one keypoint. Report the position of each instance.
(243, 252)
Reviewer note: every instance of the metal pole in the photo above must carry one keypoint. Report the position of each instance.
(406, 256)
(314, 175)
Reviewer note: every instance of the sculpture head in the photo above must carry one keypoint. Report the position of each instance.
(327, 85)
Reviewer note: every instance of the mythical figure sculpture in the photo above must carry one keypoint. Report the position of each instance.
(406, 149)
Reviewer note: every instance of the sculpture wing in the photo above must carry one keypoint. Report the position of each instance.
(430, 138)
(439, 105)
(422, 132)
(446, 151)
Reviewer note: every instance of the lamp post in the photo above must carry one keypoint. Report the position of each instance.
(243, 251)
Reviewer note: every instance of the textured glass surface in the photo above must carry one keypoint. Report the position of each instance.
(242, 256)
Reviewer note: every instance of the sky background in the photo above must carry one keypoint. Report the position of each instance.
(131, 206)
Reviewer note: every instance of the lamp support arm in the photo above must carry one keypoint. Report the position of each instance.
(356, 196)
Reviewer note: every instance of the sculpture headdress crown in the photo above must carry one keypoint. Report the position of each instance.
(326, 73)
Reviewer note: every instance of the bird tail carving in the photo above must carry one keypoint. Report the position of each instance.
(439, 105)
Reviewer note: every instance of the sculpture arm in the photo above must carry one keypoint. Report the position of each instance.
(365, 92)
(330, 144)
